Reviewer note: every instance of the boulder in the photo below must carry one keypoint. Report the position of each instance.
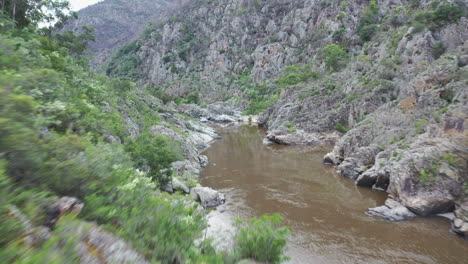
(392, 210)
(460, 221)
(221, 119)
(207, 196)
(60, 207)
(329, 158)
(178, 185)
(203, 160)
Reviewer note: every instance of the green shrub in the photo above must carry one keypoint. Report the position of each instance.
(126, 62)
(367, 26)
(366, 32)
(156, 152)
(441, 13)
(420, 126)
(338, 35)
(335, 57)
(438, 49)
(263, 238)
(450, 159)
(341, 128)
(295, 74)
(261, 96)
(448, 95)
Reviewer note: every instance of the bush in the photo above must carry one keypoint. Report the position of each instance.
(367, 25)
(263, 238)
(367, 32)
(341, 128)
(335, 57)
(156, 152)
(441, 14)
(438, 49)
(420, 126)
(295, 74)
(126, 62)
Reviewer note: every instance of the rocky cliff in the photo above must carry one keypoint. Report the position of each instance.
(384, 82)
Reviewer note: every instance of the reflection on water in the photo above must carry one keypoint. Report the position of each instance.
(323, 209)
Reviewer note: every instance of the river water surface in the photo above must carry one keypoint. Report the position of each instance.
(324, 210)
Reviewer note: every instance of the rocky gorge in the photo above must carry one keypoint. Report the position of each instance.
(393, 104)
(109, 163)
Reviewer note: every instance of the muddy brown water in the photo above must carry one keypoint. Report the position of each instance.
(325, 211)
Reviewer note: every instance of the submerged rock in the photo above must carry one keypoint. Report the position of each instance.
(392, 210)
(207, 196)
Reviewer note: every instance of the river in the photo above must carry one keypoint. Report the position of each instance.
(324, 210)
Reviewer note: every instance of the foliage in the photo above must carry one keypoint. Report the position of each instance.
(450, 159)
(126, 62)
(295, 74)
(263, 238)
(367, 26)
(335, 57)
(341, 128)
(261, 96)
(25, 12)
(438, 49)
(76, 44)
(420, 126)
(441, 13)
(192, 98)
(155, 152)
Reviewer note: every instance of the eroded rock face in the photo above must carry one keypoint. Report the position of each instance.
(207, 196)
(408, 151)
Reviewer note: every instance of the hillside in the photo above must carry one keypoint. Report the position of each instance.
(118, 22)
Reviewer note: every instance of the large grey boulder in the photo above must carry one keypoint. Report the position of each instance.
(207, 196)
(178, 185)
(392, 210)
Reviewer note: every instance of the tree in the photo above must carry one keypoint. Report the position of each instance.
(76, 44)
(157, 153)
(335, 57)
(367, 27)
(27, 12)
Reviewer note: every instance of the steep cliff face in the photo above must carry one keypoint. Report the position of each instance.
(209, 45)
(385, 82)
(117, 22)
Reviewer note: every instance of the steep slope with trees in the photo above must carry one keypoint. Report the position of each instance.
(118, 22)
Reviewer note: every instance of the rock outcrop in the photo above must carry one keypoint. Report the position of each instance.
(207, 196)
